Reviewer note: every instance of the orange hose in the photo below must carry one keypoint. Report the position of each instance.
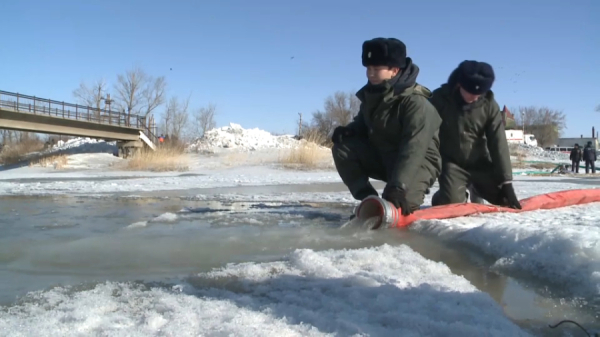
(543, 201)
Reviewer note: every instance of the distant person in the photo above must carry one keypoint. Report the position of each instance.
(576, 156)
(473, 142)
(589, 156)
(161, 139)
(394, 137)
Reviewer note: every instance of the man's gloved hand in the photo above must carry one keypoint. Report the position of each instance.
(397, 196)
(509, 193)
(341, 132)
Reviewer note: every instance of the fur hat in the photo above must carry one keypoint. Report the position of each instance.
(381, 51)
(475, 77)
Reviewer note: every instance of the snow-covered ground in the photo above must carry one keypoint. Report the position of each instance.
(381, 291)
(377, 291)
(559, 247)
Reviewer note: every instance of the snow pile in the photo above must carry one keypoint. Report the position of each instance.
(83, 145)
(236, 137)
(536, 152)
(559, 246)
(91, 161)
(383, 291)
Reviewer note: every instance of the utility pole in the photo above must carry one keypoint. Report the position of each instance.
(108, 101)
(300, 125)
(523, 121)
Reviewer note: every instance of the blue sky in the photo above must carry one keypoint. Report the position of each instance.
(237, 54)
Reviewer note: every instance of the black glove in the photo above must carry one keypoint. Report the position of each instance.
(397, 196)
(341, 132)
(509, 194)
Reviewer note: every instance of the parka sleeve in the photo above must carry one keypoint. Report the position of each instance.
(497, 144)
(358, 124)
(420, 124)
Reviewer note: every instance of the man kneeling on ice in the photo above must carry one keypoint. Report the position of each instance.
(472, 139)
(394, 137)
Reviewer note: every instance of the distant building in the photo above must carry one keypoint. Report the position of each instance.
(508, 119)
(582, 141)
(566, 144)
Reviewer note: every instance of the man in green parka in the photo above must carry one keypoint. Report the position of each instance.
(472, 139)
(394, 136)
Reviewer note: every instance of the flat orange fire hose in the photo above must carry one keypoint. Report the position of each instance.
(391, 217)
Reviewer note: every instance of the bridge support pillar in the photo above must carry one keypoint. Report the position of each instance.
(128, 149)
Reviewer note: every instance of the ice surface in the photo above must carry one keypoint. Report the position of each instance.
(382, 291)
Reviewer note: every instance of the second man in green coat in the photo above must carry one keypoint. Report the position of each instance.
(472, 139)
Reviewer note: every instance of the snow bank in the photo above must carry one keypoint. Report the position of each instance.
(91, 161)
(236, 137)
(559, 246)
(83, 145)
(536, 153)
(383, 291)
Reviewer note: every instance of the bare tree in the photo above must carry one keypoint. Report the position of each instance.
(139, 93)
(9, 136)
(544, 123)
(205, 119)
(91, 95)
(340, 109)
(180, 119)
(321, 124)
(175, 117)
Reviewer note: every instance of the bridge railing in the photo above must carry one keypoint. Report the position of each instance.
(41, 106)
(153, 138)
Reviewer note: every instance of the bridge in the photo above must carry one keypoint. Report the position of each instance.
(33, 114)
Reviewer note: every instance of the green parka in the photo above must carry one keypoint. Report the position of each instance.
(472, 135)
(399, 121)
